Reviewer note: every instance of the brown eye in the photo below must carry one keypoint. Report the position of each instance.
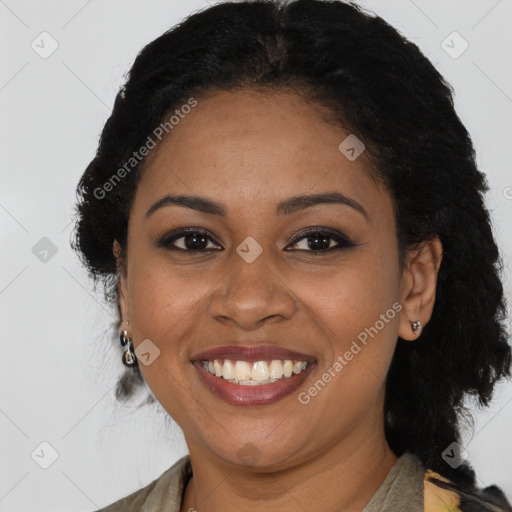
(192, 240)
(321, 241)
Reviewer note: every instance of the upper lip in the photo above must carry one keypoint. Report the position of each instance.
(250, 353)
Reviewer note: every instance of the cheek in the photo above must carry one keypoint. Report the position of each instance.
(358, 315)
(353, 296)
(163, 305)
(357, 310)
(161, 295)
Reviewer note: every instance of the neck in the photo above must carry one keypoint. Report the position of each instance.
(343, 477)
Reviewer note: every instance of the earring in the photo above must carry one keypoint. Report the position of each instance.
(129, 358)
(416, 327)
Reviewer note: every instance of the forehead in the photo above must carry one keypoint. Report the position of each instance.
(252, 147)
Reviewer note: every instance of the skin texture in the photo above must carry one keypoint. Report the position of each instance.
(248, 151)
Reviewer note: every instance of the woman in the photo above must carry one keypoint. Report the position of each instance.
(287, 212)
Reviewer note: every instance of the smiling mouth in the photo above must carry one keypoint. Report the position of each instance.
(254, 373)
(249, 375)
(269, 381)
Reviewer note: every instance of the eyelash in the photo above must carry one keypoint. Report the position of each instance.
(343, 241)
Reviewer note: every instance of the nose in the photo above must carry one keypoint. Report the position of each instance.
(252, 294)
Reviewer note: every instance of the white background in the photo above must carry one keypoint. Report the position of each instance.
(59, 364)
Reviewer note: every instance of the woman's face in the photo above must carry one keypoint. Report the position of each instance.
(256, 282)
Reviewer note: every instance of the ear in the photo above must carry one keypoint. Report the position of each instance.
(418, 286)
(122, 288)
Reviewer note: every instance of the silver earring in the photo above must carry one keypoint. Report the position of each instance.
(416, 327)
(129, 358)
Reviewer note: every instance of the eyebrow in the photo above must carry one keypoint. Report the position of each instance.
(286, 207)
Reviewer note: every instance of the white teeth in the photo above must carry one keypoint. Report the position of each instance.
(227, 369)
(259, 371)
(245, 382)
(243, 370)
(254, 373)
(287, 368)
(276, 369)
(218, 368)
(297, 367)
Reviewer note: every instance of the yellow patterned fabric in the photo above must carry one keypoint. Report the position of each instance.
(438, 499)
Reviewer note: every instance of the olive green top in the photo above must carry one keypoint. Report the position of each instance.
(403, 486)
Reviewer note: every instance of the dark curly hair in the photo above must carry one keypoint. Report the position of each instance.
(379, 85)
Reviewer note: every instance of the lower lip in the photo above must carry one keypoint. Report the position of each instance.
(262, 394)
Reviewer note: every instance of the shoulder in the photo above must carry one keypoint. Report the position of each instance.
(436, 498)
(165, 488)
(440, 499)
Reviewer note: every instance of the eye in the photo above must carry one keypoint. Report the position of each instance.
(317, 240)
(194, 240)
(320, 241)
